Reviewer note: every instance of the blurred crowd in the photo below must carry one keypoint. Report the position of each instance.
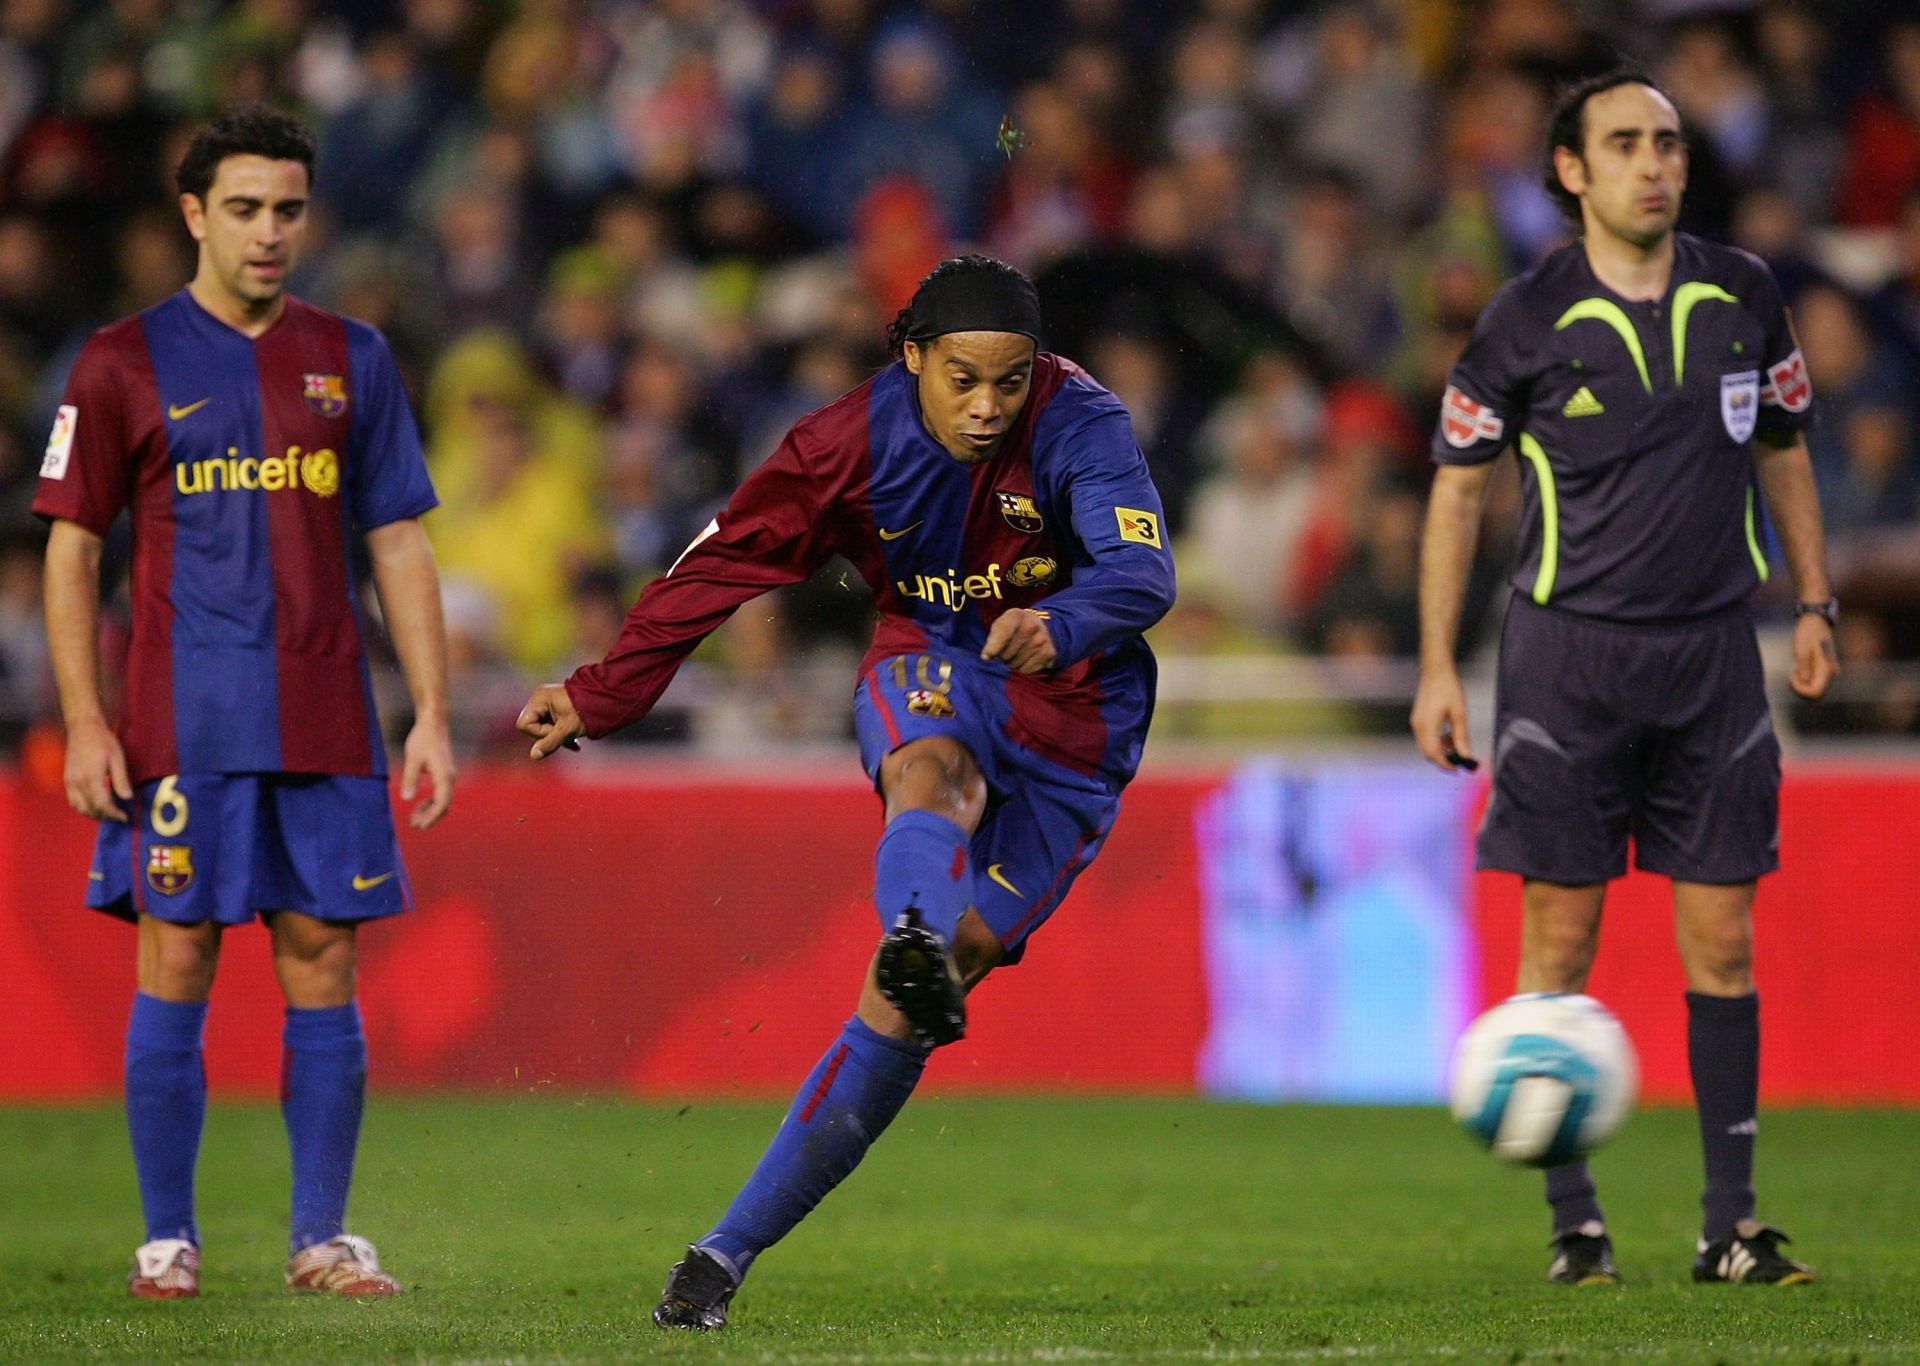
(620, 245)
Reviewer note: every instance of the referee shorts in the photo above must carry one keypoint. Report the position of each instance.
(1605, 730)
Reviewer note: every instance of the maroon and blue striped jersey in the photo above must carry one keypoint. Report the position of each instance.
(1064, 519)
(246, 465)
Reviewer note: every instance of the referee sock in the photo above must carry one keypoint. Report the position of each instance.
(846, 1103)
(166, 1088)
(923, 862)
(1723, 1053)
(1571, 1192)
(323, 1080)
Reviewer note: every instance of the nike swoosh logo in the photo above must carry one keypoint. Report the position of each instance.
(886, 535)
(361, 884)
(177, 413)
(993, 871)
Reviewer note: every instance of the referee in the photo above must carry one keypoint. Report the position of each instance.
(1653, 389)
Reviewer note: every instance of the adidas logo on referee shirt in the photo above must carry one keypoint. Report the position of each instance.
(1582, 404)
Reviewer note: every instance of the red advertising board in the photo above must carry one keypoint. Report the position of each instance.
(675, 935)
(682, 934)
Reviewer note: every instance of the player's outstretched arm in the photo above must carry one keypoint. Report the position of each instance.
(550, 719)
(409, 586)
(96, 770)
(1446, 556)
(1793, 501)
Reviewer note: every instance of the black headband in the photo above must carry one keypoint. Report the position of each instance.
(974, 301)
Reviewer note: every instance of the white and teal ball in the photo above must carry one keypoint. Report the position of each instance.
(1544, 1078)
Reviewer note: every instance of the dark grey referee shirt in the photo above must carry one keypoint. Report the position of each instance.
(1634, 425)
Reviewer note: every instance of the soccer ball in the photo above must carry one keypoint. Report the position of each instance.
(1543, 1078)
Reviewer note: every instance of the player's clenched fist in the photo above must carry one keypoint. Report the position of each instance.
(1020, 639)
(550, 719)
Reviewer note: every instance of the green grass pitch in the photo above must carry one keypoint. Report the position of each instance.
(540, 1229)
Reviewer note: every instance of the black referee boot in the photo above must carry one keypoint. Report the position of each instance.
(1750, 1255)
(1583, 1256)
(916, 973)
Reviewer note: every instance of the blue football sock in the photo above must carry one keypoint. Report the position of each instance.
(842, 1107)
(923, 862)
(166, 1107)
(322, 1083)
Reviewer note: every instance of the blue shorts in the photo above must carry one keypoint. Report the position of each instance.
(1044, 822)
(227, 846)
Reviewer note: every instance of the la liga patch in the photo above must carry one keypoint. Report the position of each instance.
(53, 465)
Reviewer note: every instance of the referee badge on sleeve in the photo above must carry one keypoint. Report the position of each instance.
(1740, 403)
(1464, 421)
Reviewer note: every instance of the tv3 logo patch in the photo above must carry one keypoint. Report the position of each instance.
(1142, 527)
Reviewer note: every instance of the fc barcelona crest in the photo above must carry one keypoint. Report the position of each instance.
(169, 868)
(326, 394)
(1021, 512)
(926, 702)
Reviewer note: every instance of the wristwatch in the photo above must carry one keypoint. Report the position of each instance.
(1828, 611)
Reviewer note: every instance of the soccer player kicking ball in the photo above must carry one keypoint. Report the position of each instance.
(248, 435)
(1652, 386)
(993, 497)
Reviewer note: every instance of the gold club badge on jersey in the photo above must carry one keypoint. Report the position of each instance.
(320, 472)
(926, 702)
(1136, 525)
(1021, 512)
(1033, 571)
(326, 394)
(169, 868)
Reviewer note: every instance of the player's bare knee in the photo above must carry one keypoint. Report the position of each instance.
(935, 774)
(1557, 956)
(1719, 960)
(177, 962)
(315, 961)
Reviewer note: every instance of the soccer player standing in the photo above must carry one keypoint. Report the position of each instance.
(994, 498)
(1651, 384)
(249, 436)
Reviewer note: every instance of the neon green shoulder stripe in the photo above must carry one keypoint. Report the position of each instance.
(1684, 298)
(1610, 313)
(1760, 565)
(1549, 515)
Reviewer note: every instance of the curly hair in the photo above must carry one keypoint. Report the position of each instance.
(973, 263)
(254, 130)
(1568, 127)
